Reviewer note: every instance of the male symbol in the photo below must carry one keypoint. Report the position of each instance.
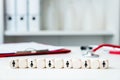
(103, 63)
(13, 63)
(67, 63)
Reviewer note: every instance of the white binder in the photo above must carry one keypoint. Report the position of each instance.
(10, 15)
(68, 15)
(34, 15)
(21, 15)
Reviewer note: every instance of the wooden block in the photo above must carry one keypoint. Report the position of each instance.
(104, 64)
(50, 63)
(67, 63)
(23, 63)
(95, 64)
(59, 63)
(76, 63)
(32, 63)
(41, 63)
(14, 63)
(86, 64)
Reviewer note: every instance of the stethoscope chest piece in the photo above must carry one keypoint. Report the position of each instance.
(90, 54)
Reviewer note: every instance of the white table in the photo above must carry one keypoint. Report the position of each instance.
(113, 73)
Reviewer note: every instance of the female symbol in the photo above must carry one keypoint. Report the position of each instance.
(49, 64)
(86, 64)
(31, 64)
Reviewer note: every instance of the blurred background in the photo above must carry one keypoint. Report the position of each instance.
(60, 22)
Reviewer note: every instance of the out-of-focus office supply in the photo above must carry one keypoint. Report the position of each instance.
(108, 48)
(93, 51)
(90, 54)
(21, 13)
(30, 48)
(87, 51)
(34, 15)
(10, 15)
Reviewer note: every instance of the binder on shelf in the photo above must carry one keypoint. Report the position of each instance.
(34, 15)
(68, 16)
(21, 9)
(30, 48)
(10, 16)
(50, 17)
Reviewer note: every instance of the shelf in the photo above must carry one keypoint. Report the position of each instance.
(60, 33)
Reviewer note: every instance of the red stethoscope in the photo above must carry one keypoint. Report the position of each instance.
(108, 45)
(112, 51)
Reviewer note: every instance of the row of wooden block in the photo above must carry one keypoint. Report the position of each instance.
(59, 63)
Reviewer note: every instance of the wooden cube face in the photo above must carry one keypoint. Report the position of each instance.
(32, 63)
(41, 63)
(104, 64)
(23, 63)
(67, 63)
(50, 63)
(95, 64)
(14, 63)
(86, 64)
(59, 63)
(76, 63)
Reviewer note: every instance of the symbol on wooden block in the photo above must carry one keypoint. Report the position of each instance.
(86, 64)
(13, 63)
(31, 64)
(67, 63)
(49, 64)
(103, 64)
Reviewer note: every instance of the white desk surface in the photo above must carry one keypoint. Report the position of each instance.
(113, 73)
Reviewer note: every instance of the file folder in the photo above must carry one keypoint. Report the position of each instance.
(34, 15)
(10, 16)
(30, 48)
(21, 15)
